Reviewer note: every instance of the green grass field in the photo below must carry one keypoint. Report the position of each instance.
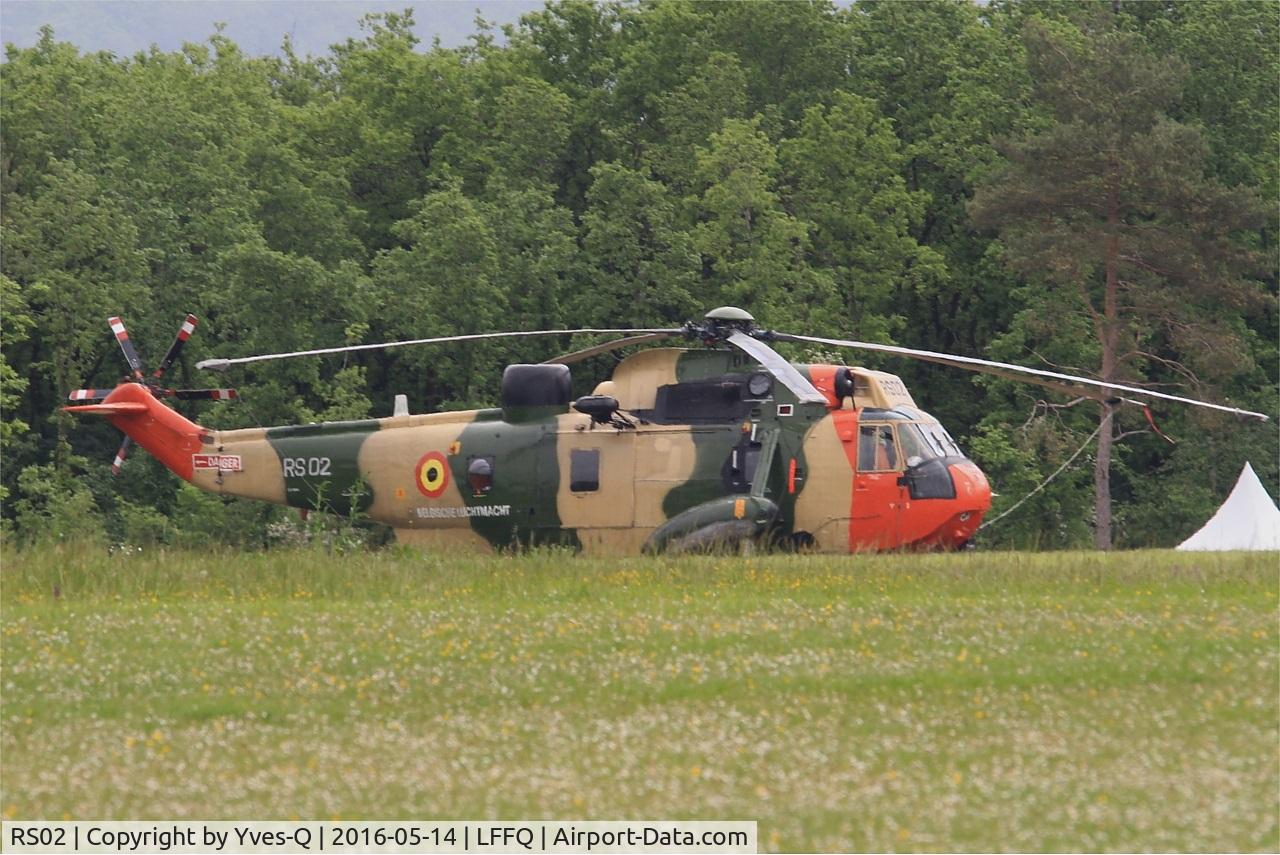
(985, 701)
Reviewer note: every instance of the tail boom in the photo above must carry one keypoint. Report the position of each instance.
(170, 438)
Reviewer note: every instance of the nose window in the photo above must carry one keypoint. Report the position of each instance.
(877, 451)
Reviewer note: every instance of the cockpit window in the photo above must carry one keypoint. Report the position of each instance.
(935, 443)
(880, 415)
(915, 448)
(942, 440)
(877, 451)
(916, 444)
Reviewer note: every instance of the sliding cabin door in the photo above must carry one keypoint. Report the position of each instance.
(596, 494)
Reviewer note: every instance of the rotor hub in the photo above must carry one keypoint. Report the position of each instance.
(719, 324)
(730, 315)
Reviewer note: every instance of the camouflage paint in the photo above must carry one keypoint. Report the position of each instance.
(822, 505)
(260, 475)
(666, 456)
(715, 445)
(526, 479)
(649, 474)
(389, 459)
(320, 465)
(596, 516)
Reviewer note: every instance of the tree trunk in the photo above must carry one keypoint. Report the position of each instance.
(1102, 481)
(1110, 345)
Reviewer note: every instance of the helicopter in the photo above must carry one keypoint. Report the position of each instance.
(720, 445)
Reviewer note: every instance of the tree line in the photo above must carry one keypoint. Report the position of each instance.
(1074, 186)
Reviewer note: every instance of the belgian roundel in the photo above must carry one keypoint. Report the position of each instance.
(432, 474)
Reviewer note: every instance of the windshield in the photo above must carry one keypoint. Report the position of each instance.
(941, 440)
(915, 448)
(918, 442)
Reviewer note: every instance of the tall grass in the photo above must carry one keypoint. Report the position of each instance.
(77, 571)
(978, 701)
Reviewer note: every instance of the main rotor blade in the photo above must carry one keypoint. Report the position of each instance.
(224, 364)
(777, 366)
(184, 333)
(616, 344)
(1016, 372)
(211, 394)
(130, 354)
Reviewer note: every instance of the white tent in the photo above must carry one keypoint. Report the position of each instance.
(1248, 519)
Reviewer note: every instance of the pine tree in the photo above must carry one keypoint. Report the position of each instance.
(1109, 206)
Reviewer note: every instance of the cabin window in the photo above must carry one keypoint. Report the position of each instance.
(480, 475)
(876, 449)
(584, 470)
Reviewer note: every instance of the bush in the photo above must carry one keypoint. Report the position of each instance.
(143, 526)
(56, 507)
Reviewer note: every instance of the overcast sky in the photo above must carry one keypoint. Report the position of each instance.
(258, 26)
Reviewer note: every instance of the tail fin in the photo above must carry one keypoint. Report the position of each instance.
(169, 437)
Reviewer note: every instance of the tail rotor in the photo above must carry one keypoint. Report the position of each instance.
(120, 455)
(137, 374)
(88, 394)
(204, 394)
(126, 345)
(184, 333)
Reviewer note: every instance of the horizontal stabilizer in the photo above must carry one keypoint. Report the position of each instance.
(117, 409)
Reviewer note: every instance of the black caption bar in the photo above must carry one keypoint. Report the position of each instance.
(285, 838)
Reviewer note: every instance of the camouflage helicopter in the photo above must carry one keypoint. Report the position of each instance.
(722, 444)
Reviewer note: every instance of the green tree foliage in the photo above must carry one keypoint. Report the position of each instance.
(691, 112)
(754, 253)
(1231, 51)
(72, 251)
(949, 76)
(793, 54)
(643, 266)
(844, 169)
(444, 281)
(15, 325)
(615, 164)
(1110, 207)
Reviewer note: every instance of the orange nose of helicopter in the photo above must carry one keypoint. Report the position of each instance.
(973, 500)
